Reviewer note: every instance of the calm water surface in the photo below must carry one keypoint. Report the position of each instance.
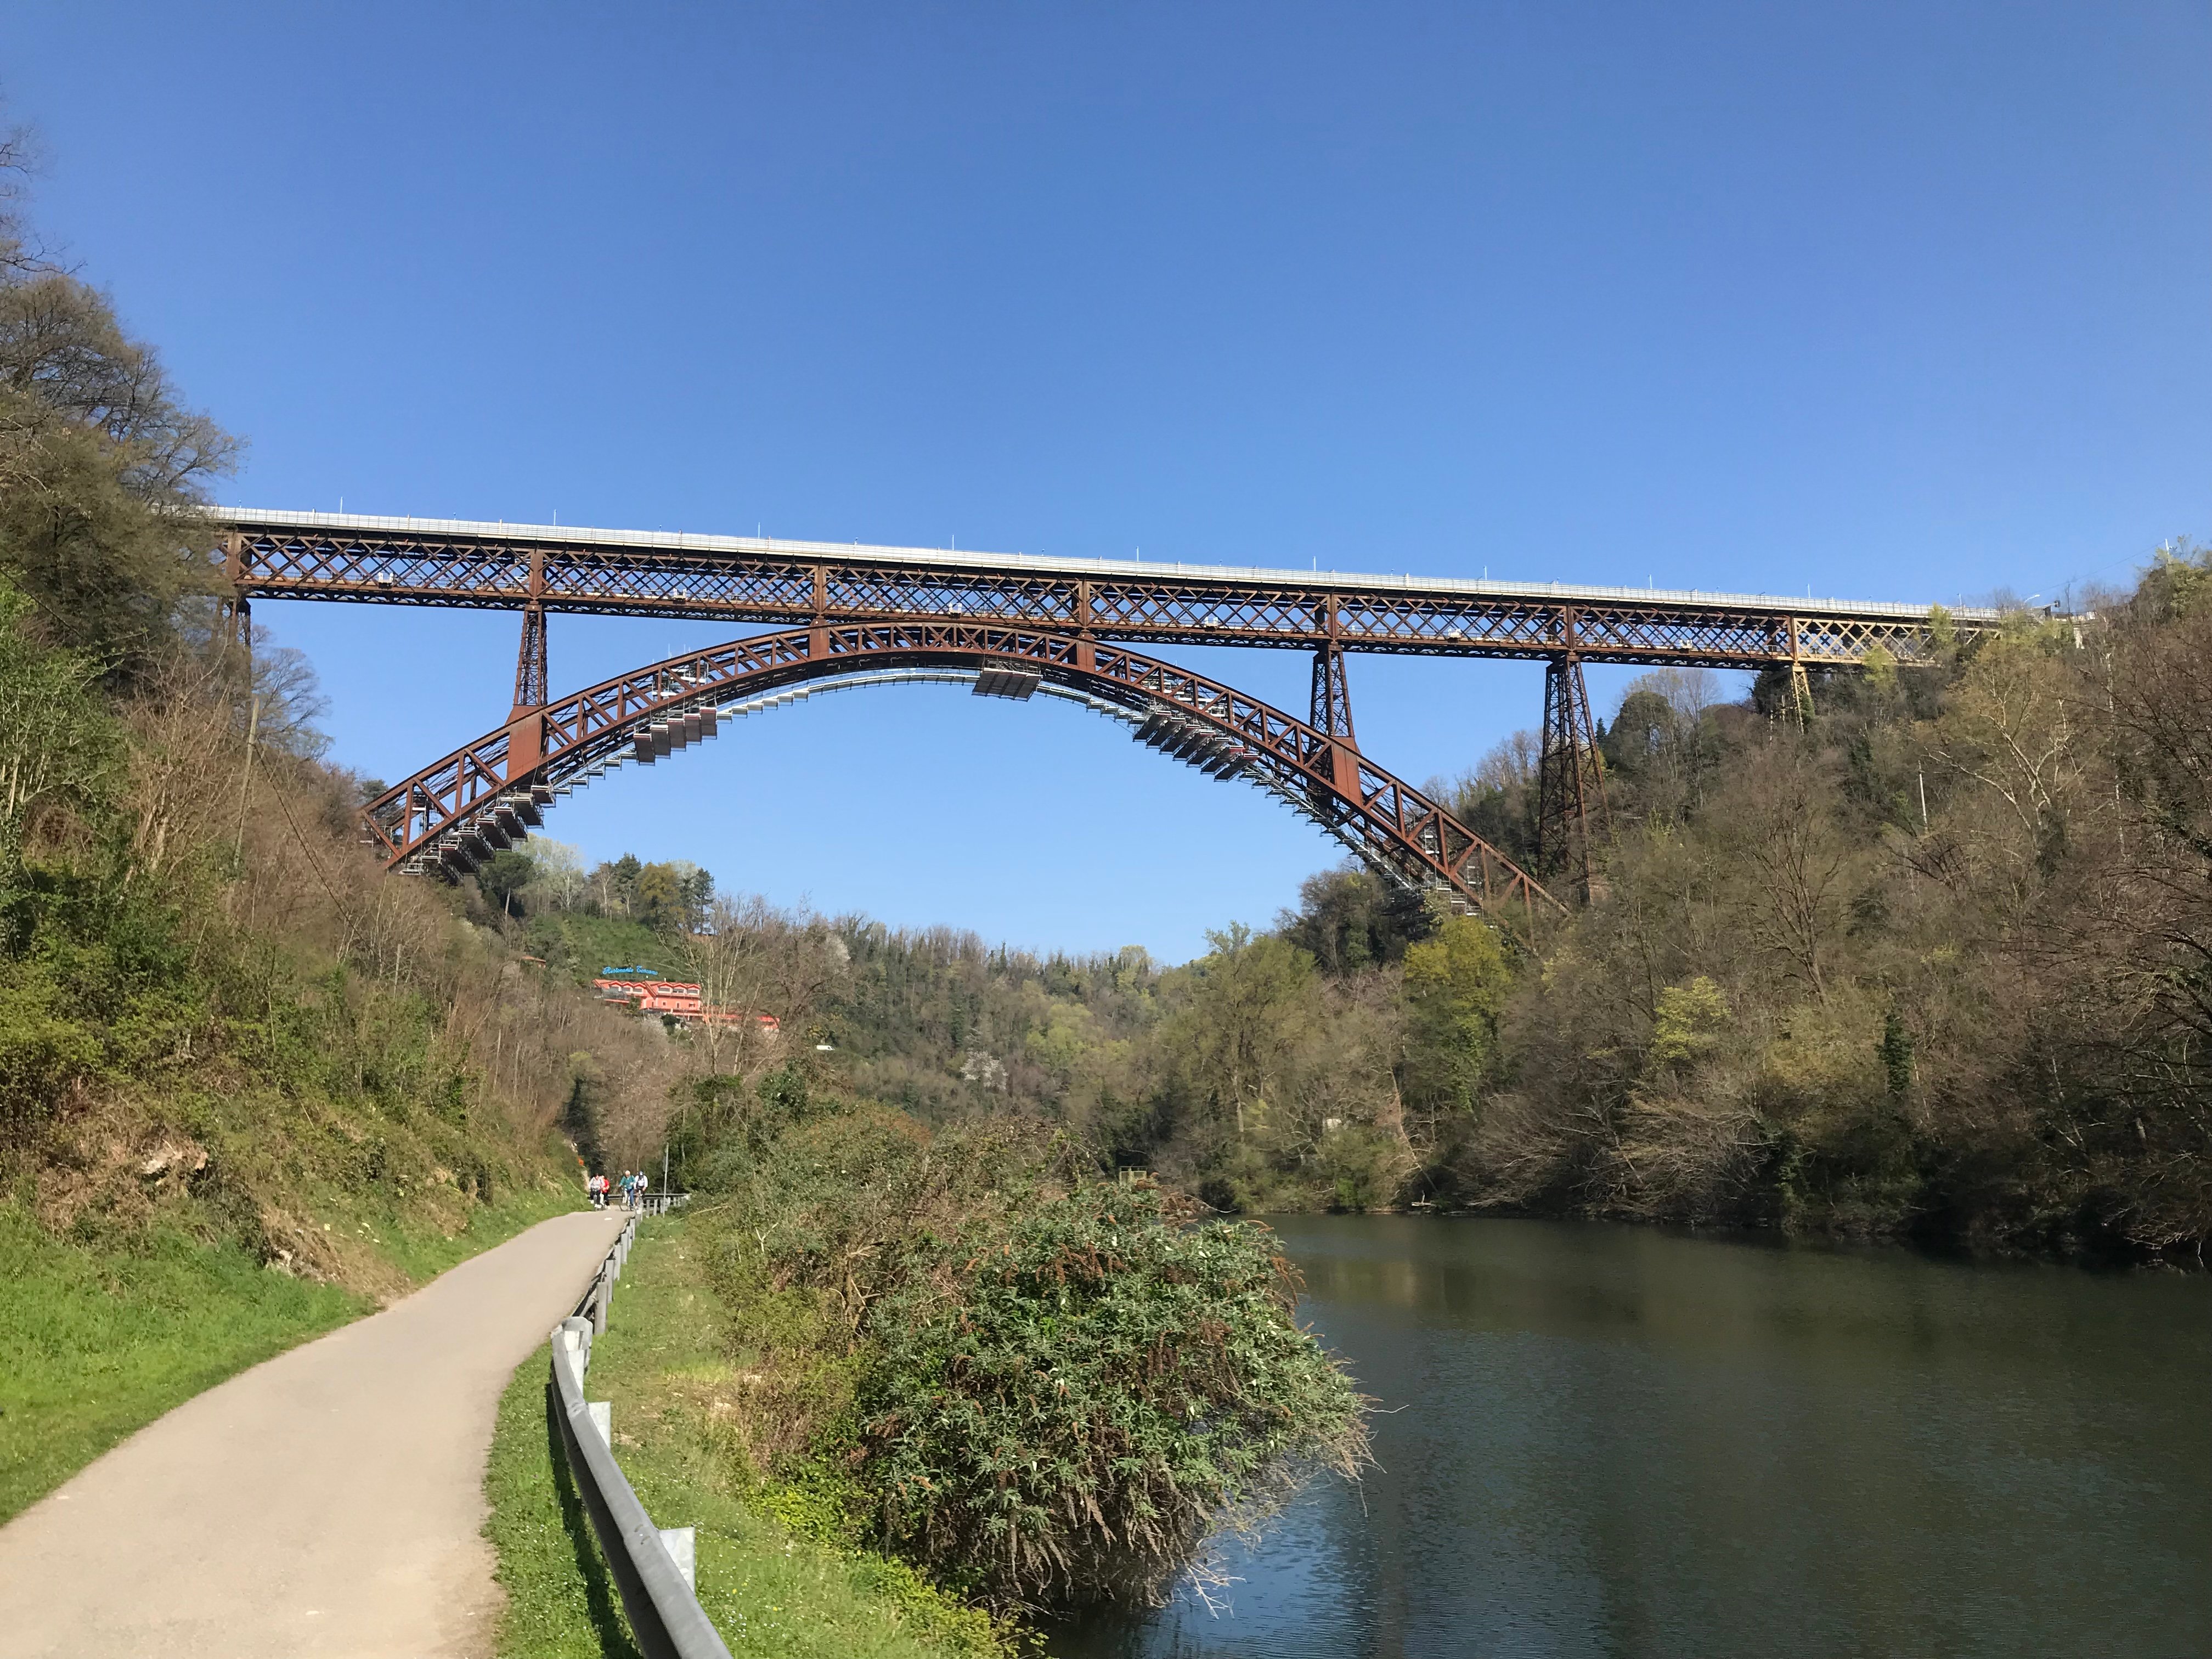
(1611, 1440)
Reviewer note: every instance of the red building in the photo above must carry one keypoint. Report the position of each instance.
(681, 1002)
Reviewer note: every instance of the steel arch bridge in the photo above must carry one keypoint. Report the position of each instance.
(1058, 619)
(459, 811)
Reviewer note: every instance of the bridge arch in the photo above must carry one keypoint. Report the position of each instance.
(457, 811)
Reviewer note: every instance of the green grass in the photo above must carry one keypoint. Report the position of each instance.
(582, 944)
(101, 1339)
(770, 1587)
(411, 1241)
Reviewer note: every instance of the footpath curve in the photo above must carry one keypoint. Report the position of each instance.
(326, 1504)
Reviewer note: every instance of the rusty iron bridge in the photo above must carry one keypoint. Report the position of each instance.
(1015, 625)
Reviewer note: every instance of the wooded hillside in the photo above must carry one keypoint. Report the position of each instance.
(248, 1085)
(1936, 961)
(1940, 963)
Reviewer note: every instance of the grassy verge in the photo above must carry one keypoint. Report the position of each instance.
(772, 1578)
(102, 1338)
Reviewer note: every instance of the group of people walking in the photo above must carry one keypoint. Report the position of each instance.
(627, 1189)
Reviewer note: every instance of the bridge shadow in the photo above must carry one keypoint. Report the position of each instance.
(600, 1597)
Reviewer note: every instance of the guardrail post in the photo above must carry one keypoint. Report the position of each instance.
(599, 1299)
(682, 1545)
(574, 1335)
(603, 1418)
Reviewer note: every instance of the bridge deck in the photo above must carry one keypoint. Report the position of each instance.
(375, 527)
(542, 568)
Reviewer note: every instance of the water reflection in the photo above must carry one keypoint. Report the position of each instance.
(1611, 1441)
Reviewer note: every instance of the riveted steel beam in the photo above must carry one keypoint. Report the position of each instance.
(1393, 827)
(748, 579)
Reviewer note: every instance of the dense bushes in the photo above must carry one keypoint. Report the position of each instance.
(1094, 1396)
(1045, 1390)
(1935, 965)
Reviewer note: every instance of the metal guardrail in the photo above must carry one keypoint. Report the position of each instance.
(651, 1204)
(654, 1569)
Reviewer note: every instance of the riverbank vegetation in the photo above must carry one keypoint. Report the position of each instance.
(1940, 965)
(1937, 961)
(911, 1387)
(1046, 1388)
(779, 1573)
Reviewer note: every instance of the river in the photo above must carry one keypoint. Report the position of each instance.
(1618, 1442)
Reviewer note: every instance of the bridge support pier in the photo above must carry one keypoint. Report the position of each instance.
(531, 687)
(236, 616)
(1570, 812)
(533, 690)
(1798, 711)
(1331, 716)
(235, 613)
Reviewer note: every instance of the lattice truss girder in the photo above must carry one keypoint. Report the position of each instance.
(1571, 808)
(479, 797)
(1169, 609)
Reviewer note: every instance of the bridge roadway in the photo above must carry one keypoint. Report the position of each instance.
(326, 1504)
(447, 562)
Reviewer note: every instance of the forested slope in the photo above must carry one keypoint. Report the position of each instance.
(1941, 964)
(248, 1086)
(1935, 961)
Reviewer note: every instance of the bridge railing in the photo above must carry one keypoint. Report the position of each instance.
(654, 1569)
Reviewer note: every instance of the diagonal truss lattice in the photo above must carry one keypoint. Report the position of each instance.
(486, 794)
(754, 580)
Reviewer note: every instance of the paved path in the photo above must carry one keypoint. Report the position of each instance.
(326, 1503)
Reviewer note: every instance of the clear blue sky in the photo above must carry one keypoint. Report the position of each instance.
(1898, 302)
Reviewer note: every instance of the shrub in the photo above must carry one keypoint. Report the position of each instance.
(1043, 1389)
(43, 1050)
(1103, 1390)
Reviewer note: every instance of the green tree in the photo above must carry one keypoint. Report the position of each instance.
(672, 897)
(1348, 919)
(611, 888)
(59, 748)
(97, 453)
(1496, 800)
(1456, 986)
(1688, 1022)
(503, 879)
(1248, 1004)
